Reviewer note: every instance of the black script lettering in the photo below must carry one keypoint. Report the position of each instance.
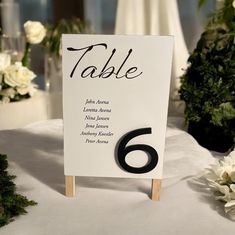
(105, 110)
(90, 101)
(132, 70)
(98, 118)
(102, 102)
(101, 133)
(90, 141)
(102, 141)
(89, 126)
(89, 133)
(89, 110)
(101, 126)
(89, 48)
(88, 117)
(107, 70)
(92, 68)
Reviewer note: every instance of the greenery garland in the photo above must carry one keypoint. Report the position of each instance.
(11, 203)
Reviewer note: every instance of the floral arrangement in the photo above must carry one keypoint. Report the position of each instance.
(221, 178)
(16, 79)
(15, 82)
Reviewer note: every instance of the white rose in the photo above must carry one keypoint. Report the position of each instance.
(232, 155)
(233, 4)
(232, 175)
(9, 92)
(5, 61)
(5, 100)
(230, 207)
(35, 31)
(30, 89)
(22, 90)
(17, 75)
(223, 189)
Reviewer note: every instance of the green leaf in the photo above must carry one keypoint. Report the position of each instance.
(223, 113)
(201, 3)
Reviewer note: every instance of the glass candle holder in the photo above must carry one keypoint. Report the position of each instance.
(14, 46)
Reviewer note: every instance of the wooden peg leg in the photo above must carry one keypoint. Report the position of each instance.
(156, 187)
(70, 186)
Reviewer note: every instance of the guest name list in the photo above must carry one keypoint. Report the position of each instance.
(97, 115)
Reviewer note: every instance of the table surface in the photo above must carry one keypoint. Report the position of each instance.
(111, 205)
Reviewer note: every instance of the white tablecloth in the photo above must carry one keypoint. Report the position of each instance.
(107, 205)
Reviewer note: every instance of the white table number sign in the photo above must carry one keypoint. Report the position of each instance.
(115, 101)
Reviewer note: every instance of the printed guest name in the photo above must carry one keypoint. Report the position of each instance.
(94, 134)
(88, 141)
(96, 118)
(90, 101)
(95, 110)
(97, 126)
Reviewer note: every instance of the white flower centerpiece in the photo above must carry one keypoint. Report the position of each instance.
(21, 102)
(16, 79)
(221, 178)
(16, 82)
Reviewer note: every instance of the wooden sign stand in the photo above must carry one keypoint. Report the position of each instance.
(156, 187)
(70, 188)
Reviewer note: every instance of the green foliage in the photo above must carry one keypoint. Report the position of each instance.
(223, 17)
(11, 203)
(52, 41)
(208, 85)
(201, 3)
(224, 112)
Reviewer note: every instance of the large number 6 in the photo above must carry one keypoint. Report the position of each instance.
(123, 150)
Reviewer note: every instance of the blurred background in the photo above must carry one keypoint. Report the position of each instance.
(180, 18)
(100, 14)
